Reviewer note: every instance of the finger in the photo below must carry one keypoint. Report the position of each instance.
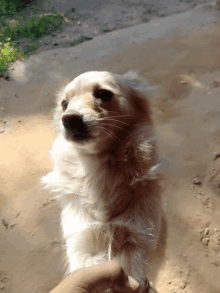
(104, 276)
(98, 278)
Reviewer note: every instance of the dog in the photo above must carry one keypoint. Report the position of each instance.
(105, 173)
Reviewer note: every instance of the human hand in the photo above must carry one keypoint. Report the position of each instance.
(98, 278)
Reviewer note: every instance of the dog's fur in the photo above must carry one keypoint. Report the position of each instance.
(107, 185)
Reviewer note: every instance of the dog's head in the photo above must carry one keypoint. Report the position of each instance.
(98, 107)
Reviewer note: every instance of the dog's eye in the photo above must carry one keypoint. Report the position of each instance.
(104, 95)
(64, 105)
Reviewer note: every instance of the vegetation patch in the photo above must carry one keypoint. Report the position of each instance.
(80, 40)
(149, 11)
(70, 11)
(32, 28)
(108, 31)
(13, 30)
(10, 7)
(8, 54)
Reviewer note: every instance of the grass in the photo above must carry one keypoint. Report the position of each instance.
(69, 12)
(149, 11)
(145, 19)
(108, 31)
(8, 54)
(80, 40)
(32, 28)
(13, 30)
(10, 7)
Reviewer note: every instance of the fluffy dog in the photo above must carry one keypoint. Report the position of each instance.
(105, 173)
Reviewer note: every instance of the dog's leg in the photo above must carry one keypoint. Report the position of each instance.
(134, 262)
(135, 258)
(86, 244)
(81, 255)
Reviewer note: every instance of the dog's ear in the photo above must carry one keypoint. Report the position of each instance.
(139, 89)
(133, 79)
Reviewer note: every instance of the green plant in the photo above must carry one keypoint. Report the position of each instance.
(145, 19)
(107, 31)
(149, 11)
(70, 11)
(32, 28)
(8, 54)
(9, 7)
(31, 47)
(80, 40)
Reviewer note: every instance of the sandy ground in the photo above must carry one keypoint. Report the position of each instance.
(187, 120)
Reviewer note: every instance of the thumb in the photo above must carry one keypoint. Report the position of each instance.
(108, 275)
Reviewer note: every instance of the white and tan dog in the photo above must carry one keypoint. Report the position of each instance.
(105, 173)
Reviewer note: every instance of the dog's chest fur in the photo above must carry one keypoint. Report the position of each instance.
(104, 185)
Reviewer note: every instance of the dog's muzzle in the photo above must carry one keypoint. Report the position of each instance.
(75, 126)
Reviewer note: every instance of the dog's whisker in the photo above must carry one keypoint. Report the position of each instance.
(113, 134)
(115, 126)
(118, 116)
(102, 128)
(107, 131)
(106, 119)
(117, 113)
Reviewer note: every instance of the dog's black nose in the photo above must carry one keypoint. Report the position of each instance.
(75, 124)
(72, 121)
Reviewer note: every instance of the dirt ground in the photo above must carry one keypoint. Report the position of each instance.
(186, 113)
(83, 19)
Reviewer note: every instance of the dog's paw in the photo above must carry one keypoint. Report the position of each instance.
(54, 183)
(145, 287)
(151, 289)
(45, 180)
